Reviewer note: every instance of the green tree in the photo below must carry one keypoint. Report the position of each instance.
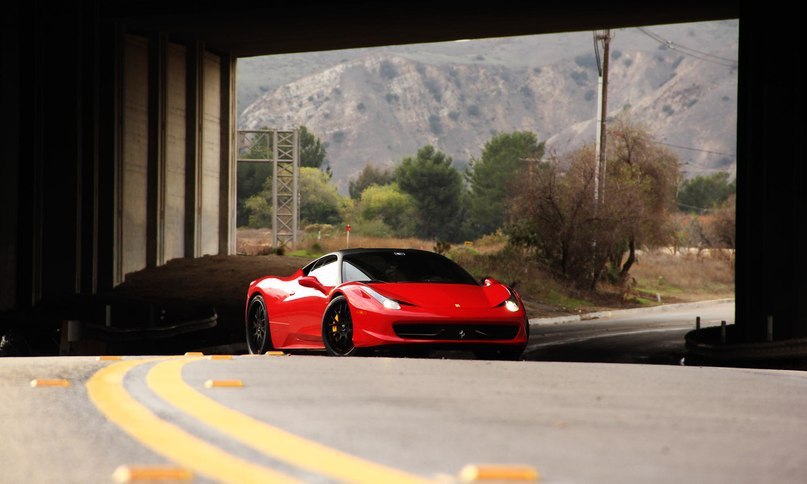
(703, 193)
(320, 202)
(312, 150)
(258, 211)
(251, 178)
(504, 158)
(369, 176)
(436, 186)
(390, 205)
(254, 178)
(257, 208)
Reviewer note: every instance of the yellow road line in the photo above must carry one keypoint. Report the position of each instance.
(224, 384)
(41, 382)
(165, 379)
(107, 392)
(126, 474)
(495, 472)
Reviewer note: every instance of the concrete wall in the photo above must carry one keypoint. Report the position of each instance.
(116, 150)
(133, 179)
(173, 163)
(211, 153)
(175, 151)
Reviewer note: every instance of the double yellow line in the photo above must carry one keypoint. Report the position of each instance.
(107, 392)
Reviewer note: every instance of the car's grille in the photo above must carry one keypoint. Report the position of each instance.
(455, 331)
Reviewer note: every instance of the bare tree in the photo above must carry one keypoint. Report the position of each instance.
(640, 190)
(554, 212)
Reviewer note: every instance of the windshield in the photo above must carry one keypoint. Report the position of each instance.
(403, 266)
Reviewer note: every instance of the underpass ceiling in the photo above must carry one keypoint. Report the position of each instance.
(246, 28)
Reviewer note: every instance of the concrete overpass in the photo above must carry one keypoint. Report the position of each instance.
(118, 138)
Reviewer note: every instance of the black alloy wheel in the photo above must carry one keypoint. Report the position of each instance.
(337, 328)
(257, 327)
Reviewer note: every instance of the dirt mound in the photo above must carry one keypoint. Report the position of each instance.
(217, 281)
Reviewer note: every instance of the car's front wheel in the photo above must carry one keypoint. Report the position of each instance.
(337, 328)
(257, 327)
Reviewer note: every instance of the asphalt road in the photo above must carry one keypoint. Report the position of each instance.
(321, 419)
(655, 335)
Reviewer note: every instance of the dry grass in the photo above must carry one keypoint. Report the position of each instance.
(684, 277)
(340, 242)
(253, 241)
(674, 278)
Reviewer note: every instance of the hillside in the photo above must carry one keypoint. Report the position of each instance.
(379, 105)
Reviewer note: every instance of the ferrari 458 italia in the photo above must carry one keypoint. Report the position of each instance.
(358, 299)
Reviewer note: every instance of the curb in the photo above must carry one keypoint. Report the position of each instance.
(573, 318)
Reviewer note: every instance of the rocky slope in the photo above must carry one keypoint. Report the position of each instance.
(379, 105)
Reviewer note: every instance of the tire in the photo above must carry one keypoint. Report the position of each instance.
(501, 353)
(257, 327)
(337, 328)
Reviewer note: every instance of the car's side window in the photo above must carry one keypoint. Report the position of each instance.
(327, 272)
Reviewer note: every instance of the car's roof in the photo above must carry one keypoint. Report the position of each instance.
(362, 250)
(367, 250)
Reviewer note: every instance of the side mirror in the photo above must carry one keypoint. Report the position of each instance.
(312, 282)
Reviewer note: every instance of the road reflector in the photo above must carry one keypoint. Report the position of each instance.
(108, 358)
(220, 357)
(224, 384)
(41, 382)
(194, 353)
(275, 353)
(474, 473)
(134, 474)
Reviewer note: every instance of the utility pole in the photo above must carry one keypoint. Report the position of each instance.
(604, 37)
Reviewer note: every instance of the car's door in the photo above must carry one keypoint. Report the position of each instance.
(305, 308)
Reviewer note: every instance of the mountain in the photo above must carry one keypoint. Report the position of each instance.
(379, 105)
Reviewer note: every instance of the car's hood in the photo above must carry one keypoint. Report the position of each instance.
(436, 295)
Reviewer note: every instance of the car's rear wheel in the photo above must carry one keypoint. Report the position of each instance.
(257, 327)
(337, 328)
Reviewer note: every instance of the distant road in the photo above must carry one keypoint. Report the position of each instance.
(654, 335)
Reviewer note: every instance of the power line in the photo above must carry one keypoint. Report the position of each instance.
(704, 56)
(688, 50)
(719, 153)
(701, 168)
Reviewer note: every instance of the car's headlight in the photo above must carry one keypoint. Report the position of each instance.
(511, 304)
(384, 300)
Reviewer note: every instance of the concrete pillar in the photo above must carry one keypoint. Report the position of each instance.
(227, 193)
(132, 176)
(193, 150)
(211, 153)
(771, 183)
(155, 206)
(175, 151)
(10, 94)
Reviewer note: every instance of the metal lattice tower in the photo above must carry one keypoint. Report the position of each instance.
(284, 189)
(281, 148)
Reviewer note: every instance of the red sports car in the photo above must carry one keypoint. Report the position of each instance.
(358, 299)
